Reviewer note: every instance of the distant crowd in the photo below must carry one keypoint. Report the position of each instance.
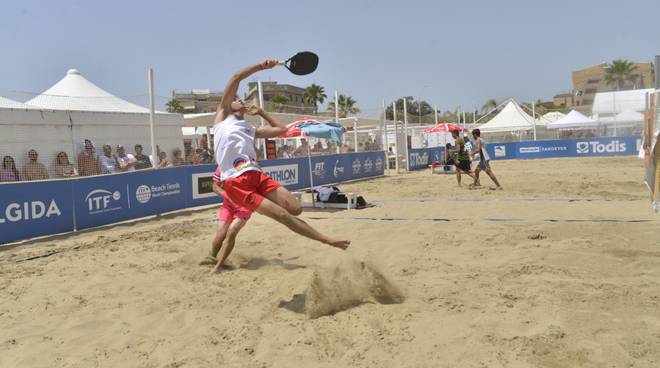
(91, 163)
(117, 160)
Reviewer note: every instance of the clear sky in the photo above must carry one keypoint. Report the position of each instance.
(448, 53)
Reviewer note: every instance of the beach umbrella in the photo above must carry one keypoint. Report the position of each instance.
(443, 128)
(314, 128)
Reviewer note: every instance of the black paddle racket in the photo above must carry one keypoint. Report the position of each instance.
(302, 63)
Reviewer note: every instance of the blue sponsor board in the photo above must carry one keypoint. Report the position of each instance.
(151, 193)
(34, 209)
(585, 147)
(421, 158)
(293, 173)
(41, 208)
(102, 200)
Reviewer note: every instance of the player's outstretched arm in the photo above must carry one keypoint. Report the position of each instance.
(229, 93)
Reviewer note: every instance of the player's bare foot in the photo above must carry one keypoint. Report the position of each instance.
(216, 269)
(341, 244)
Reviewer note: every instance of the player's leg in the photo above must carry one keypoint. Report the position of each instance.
(279, 214)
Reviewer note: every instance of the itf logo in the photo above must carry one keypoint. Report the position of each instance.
(500, 151)
(357, 165)
(101, 201)
(319, 169)
(143, 194)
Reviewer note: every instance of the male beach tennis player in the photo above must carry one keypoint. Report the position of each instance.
(244, 182)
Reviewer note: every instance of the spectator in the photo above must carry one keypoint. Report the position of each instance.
(303, 150)
(286, 152)
(33, 169)
(8, 172)
(189, 157)
(207, 158)
(64, 168)
(125, 161)
(142, 161)
(345, 148)
(163, 162)
(318, 148)
(108, 161)
(177, 160)
(332, 148)
(198, 159)
(88, 163)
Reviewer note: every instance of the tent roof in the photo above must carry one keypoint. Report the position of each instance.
(511, 118)
(6, 103)
(550, 117)
(573, 120)
(624, 117)
(75, 93)
(610, 103)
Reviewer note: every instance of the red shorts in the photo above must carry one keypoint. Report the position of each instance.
(228, 211)
(249, 189)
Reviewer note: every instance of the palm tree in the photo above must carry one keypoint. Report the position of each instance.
(619, 72)
(489, 105)
(314, 95)
(279, 100)
(347, 105)
(175, 107)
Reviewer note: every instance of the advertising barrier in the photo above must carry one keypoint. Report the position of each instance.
(34, 209)
(421, 158)
(584, 147)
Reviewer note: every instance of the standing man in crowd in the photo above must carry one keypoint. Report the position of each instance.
(125, 161)
(88, 163)
(484, 159)
(108, 161)
(141, 160)
(33, 169)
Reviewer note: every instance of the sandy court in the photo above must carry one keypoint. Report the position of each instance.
(561, 269)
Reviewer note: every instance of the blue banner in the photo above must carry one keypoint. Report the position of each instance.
(29, 210)
(293, 173)
(421, 158)
(51, 207)
(101, 200)
(584, 147)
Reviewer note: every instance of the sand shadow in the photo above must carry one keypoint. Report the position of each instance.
(257, 263)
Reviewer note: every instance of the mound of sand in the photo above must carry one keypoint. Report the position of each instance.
(345, 285)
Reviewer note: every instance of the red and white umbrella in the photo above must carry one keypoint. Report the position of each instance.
(444, 127)
(312, 127)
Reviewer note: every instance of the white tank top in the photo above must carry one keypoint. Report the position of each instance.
(484, 151)
(233, 140)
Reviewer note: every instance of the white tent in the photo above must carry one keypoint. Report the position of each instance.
(75, 93)
(549, 117)
(6, 103)
(610, 103)
(573, 120)
(75, 109)
(627, 117)
(512, 118)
